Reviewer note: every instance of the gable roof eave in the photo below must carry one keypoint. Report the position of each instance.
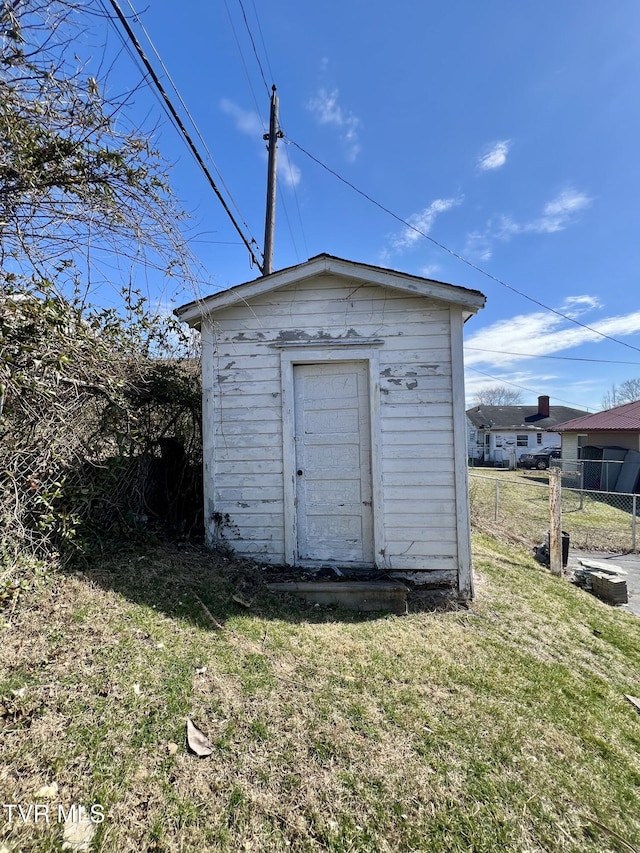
(470, 301)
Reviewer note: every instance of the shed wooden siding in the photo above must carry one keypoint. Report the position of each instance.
(416, 415)
(569, 446)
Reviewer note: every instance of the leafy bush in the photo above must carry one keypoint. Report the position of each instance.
(97, 436)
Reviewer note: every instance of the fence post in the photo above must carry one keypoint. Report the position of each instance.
(581, 473)
(497, 501)
(634, 523)
(555, 521)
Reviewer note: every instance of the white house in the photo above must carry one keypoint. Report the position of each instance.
(498, 433)
(333, 420)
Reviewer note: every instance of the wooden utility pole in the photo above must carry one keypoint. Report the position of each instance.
(555, 521)
(272, 147)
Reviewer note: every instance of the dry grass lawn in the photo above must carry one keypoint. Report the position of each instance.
(594, 520)
(503, 727)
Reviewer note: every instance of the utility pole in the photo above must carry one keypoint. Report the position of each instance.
(555, 521)
(272, 147)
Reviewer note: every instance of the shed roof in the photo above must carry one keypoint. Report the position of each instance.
(625, 418)
(519, 417)
(470, 300)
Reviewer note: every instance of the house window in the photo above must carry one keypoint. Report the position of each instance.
(539, 438)
(522, 440)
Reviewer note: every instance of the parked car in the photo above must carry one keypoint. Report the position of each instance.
(540, 459)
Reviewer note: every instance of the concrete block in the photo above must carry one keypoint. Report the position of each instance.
(609, 588)
(352, 595)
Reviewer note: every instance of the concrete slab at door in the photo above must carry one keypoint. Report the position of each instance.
(333, 463)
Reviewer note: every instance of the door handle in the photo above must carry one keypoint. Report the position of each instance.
(299, 472)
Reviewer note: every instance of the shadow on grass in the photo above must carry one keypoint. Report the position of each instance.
(190, 582)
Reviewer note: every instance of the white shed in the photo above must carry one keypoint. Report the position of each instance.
(334, 425)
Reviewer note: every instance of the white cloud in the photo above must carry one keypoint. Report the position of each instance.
(478, 246)
(430, 271)
(557, 215)
(560, 212)
(288, 172)
(494, 156)
(328, 111)
(540, 333)
(421, 222)
(250, 123)
(575, 306)
(246, 121)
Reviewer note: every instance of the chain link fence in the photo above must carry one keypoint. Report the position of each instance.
(515, 506)
(98, 439)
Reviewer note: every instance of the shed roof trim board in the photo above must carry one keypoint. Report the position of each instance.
(470, 300)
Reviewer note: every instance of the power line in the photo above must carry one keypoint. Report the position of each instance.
(557, 357)
(186, 110)
(521, 387)
(183, 130)
(455, 254)
(253, 45)
(244, 64)
(264, 47)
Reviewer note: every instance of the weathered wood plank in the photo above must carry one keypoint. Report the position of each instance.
(413, 339)
(310, 319)
(253, 468)
(249, 375)
(248, 414)
(408, 463)
(429, 577)
(418, 439)
(421, 412)
(444, 538)
(228, 494)
(426, 479)
(242, 429)
(241, 401)
(420, 495)
(398, 451)
(399, 513)
(433, 563)
(244, 448)
(432, 384)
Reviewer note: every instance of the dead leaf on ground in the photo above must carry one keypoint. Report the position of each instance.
(47, 792)
(198, 741)
(240, 600)
(78, 835)
(634, 700)
(172, 748)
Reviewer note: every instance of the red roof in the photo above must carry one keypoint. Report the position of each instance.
(625, 417)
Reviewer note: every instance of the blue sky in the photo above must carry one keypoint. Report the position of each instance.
(508, 132)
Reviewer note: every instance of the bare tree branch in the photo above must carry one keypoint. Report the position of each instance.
(498, 395)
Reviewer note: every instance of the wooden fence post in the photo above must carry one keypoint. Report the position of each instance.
(555, 521)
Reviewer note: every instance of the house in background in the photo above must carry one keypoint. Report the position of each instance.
(499, 435)
(334, 430)
(608, 445)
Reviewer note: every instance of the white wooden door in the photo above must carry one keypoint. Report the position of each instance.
(334, 511)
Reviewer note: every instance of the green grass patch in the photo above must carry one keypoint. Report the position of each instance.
(502, 727)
